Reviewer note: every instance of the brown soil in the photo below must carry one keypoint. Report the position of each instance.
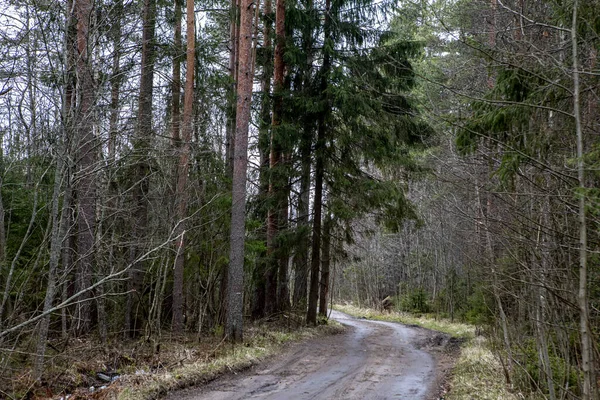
(372, 360)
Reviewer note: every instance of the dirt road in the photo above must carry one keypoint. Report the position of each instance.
(372, 360)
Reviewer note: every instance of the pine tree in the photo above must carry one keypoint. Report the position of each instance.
(235, 280)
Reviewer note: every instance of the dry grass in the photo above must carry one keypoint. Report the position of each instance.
(145, 374)
(456, 329)
(478, 375)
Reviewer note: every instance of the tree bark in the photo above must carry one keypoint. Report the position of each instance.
(325, 266)
(234, 36)
(181, 194)
(587, 348)
(86, 159)
(283, 257)
(2, 214)
(235, 280)
(278, 214)
(313, 296)
(141, 173)
(58, 233)
(234, 33)
(301, 254)
(115, 80)
(176, 82)
(261, 273)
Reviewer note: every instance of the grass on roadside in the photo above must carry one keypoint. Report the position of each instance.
(477, 373)
(455, 329)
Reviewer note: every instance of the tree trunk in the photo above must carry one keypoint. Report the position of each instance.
(2, 214)
(181, 194)
(261, 273)
(275, 164)
(325, 266)
(141, 172)
(587, 348)
(176, 82)
(283, 291)
(115, 80)
(234, 40)
(58, 233)
(301, 254)
(235, 280)
(68, 212)
(313, 296)
(86, 159)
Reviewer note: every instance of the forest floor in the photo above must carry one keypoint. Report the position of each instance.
(370, 360)
(132, 369)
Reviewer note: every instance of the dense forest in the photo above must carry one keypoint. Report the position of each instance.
(177, 168)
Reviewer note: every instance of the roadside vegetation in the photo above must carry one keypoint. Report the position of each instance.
(477, 372)
(455, 329)
(135, 370)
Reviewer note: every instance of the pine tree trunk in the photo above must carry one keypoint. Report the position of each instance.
(235, 280)
(181, 194)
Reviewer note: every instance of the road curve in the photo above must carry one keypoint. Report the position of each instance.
(372, 360)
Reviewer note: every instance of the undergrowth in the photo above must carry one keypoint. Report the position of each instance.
(144, 373)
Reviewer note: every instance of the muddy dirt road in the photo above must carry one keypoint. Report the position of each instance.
(371, 360)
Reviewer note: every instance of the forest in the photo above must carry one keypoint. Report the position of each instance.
(182, 169)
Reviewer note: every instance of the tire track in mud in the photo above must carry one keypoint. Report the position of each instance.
(371, 360)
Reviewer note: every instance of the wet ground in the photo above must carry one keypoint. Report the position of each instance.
(371, 360)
